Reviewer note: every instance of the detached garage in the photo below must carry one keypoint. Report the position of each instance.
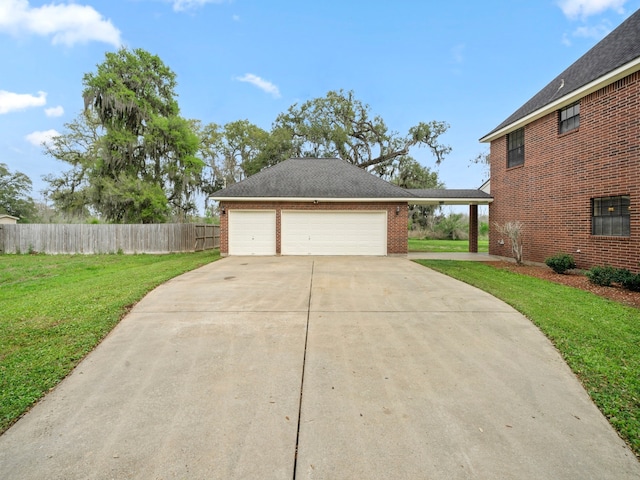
(326, 206)
(313, 206)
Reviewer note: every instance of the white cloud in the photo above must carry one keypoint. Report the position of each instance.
(586, 8)
(262, 84)
(66, 24)
(11, 102)
(597, 32)
(42, 138)
(182, 5)
(54, 111)
(236, 18)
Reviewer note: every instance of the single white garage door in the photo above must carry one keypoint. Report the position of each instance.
(252, 232)
(334, 233)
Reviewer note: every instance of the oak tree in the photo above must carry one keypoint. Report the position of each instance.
(15, 194)
(133, 156)
(339, 125)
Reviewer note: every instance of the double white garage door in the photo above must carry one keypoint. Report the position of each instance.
(308, 233)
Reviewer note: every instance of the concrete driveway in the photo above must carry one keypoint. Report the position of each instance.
(318, 368)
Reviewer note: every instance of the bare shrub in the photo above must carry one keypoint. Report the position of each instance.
(513, 231)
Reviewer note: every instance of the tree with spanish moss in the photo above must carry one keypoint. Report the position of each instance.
(133, 156)
(339, 125)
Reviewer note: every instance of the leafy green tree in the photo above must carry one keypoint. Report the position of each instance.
(241, 142)
(237, 150)
(15, 199)
(211, 179)
(453, 226)
(133, 156)
(410, 174)
(72, 191)
(276, 148)
(339, 125)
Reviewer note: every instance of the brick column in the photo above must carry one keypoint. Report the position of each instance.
(224, 230)
(473, 228)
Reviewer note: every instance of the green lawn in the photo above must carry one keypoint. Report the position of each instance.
(55, 309)
(598, 338)
(422, 245)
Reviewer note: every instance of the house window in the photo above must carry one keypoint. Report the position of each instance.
(515, 148)
(569, 118)
(611, 216)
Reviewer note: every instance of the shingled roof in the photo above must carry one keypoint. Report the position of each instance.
(452, 196)
(313, 178)
(308, 179)
(616, 50)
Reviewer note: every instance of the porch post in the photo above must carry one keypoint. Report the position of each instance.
(473, 228)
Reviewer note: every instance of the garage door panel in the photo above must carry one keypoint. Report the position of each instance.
(252, 232)
(334, 233)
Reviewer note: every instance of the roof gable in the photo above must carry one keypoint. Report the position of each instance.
(313, 178)
(617, 49)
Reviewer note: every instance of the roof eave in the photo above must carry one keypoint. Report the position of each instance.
(583, 91)
(450, 201)
(306, 199)
(412, 201)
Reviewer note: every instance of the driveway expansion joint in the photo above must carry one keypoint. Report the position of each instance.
(304, 363)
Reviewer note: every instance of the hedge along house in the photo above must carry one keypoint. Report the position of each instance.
(567, 163)
(323, 206)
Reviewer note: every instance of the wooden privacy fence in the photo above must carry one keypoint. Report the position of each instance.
(89, 239)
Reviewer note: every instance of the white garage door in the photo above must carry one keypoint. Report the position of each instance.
(334, 233)
(252, 232)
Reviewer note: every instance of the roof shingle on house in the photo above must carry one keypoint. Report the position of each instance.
(313, 178)
(308, 179)
(616, 50)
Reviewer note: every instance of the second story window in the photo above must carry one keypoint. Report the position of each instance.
(515, 148)
(569, 118)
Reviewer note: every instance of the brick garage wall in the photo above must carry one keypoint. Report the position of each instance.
(397, 223)
(551, 193)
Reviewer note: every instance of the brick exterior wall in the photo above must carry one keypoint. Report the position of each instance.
(397, 223)
(551, 193)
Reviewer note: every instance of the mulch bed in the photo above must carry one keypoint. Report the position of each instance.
(573, 279)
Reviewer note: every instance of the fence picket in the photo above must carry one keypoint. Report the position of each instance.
(92, 239)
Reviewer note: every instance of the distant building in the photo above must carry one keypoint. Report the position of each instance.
(8, 219)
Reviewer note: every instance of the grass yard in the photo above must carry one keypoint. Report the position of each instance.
(56, 308)
(426, 245)
(598, 338)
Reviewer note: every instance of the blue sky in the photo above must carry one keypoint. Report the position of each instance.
(469, 63)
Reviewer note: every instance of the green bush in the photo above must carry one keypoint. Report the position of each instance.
(603, 276)
(560, 263)
(628, 280)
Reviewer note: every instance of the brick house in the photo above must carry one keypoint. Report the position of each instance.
(567, 163)
(324, 206)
